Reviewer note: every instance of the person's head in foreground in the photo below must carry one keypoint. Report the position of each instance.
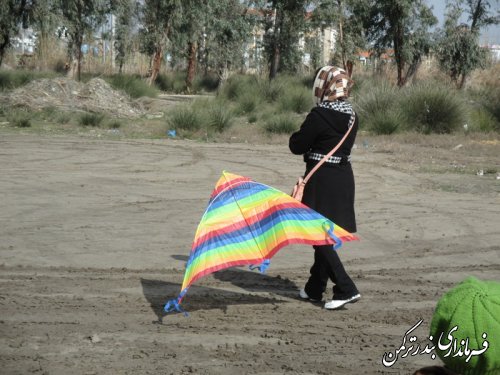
(331, 84)
(434, 370)
(465, 328)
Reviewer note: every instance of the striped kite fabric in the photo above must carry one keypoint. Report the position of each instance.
(246, 223)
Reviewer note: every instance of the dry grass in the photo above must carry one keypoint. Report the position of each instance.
(443, 153)
(485, 78)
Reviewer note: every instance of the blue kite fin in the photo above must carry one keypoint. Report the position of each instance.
(261, 267)
(172, 305)
(338, 241)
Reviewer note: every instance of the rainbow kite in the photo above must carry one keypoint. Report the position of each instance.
(246, 223)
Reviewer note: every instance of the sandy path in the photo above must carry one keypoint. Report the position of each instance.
(95, 235)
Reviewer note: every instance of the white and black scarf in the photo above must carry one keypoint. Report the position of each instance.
(338, 105)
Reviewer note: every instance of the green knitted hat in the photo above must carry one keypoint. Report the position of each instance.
(473, 306)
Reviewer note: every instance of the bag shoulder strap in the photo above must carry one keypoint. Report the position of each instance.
(325, 158)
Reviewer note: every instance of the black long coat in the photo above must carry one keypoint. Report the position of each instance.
(330, 191)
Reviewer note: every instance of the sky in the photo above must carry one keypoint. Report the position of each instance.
(490, 35)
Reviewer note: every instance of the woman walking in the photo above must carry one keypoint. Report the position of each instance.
(330, 190)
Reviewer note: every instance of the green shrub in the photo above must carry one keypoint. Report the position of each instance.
(281, 124)
(134, 86)
(63, 118)
(91, 119)
(373, 100)
(114, 124)
(489, 99)
(248, 102)
(23, 122)
(48, 113)
(230, 89)
(164, 82)
(236, 86)
(185, 118)
(209, 82)
(19, 118)
(377, 104)
(179, 87)
(296, 99)
(482, 120)
(12, 79)
(250, 91)
(307, 81)
(271, 91)
(363, 82)
(174, 82)
(252, 118)
(220, 117)
(385, 123)
(430, 108)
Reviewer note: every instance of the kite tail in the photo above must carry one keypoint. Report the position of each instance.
(175, 304)
(261, 267)
(330, 228)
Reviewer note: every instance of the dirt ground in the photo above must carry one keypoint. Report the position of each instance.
(95, 233)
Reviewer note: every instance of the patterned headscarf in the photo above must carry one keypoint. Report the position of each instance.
(331, 84)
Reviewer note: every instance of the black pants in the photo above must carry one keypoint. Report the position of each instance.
(327, 265)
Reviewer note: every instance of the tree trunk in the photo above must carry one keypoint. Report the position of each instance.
(275, 60)
(275, 57)
(462, 82)
(349, 68)
(156, 64)
(412, 70)
(341, 36)
(79, 68)
(342, 48)
(78, 50)
(398, 54)
(222, 75)
(191, 69)
(3, 48)
(205, 64)
(43, 51)
(112, 42)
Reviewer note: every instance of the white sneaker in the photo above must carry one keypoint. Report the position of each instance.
(336, 304)
(303, 295)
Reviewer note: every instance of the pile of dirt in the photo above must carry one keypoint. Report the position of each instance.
(66, 94)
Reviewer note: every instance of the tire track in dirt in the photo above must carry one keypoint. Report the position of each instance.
(65, 324)
(122, 240)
